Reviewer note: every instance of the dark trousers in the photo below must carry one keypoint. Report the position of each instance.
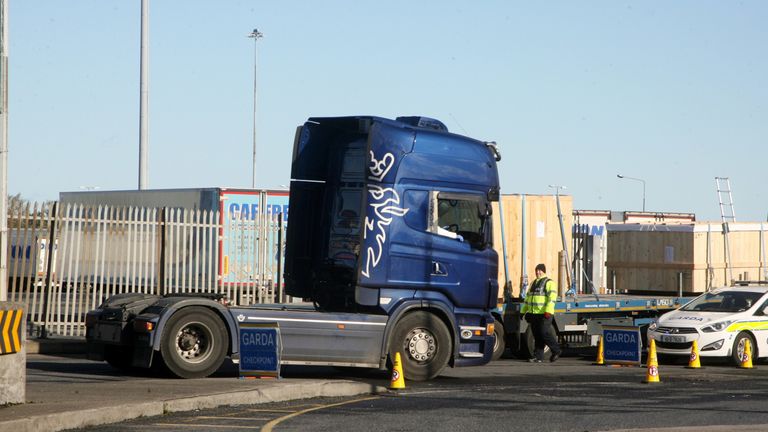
(543, 335)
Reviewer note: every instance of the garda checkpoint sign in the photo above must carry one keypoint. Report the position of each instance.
(621, 344)
(260, 350)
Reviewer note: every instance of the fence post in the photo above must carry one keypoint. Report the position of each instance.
(161, 269)
(47, 288)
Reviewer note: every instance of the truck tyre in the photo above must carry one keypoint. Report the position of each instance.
(738, 347)
(424, 344)
(194, 343)
(499, 344)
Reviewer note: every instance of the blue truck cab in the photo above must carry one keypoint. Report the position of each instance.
(390, 243)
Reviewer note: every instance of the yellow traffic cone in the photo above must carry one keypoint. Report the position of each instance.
(694, 362)
(398, 380)
(600, 353)
(653, 364)
(746, 357)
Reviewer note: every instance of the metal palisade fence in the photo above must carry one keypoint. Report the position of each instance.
(64, 260)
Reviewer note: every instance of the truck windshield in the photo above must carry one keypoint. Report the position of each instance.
(728, 301)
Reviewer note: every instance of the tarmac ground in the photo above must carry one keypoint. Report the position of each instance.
(66, 391)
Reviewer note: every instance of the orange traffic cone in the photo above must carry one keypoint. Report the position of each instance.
(600, 353)
(653, 364)
(746, 356)
(398, 380)
(694, 362)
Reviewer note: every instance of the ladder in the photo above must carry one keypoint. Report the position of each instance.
(727, 215)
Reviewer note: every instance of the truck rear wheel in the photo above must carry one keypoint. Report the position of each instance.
(424, 344)
(194, 343)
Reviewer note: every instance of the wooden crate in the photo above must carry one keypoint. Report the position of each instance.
(538, 225)
(652, 258)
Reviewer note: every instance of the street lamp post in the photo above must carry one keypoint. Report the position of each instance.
(635, 179)
(255, 35)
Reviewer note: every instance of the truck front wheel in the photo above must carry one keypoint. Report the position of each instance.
(194, 343)
(424, 344)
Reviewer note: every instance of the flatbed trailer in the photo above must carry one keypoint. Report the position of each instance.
(578, 320)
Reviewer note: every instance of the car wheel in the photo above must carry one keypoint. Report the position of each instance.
(738, 347)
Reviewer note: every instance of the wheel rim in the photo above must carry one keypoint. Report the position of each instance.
(420, 344)
(740, 348)
(194, 342)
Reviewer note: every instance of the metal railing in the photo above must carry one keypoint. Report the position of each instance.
(99, 251)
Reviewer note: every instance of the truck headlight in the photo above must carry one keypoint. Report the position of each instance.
(716, 327)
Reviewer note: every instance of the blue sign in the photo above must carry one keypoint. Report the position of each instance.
(621, 344)
(260, 350)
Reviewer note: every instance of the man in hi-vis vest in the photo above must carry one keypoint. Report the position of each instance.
(538, 309)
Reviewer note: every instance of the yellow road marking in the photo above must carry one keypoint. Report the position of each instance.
(204, 425)
(232, 418)
(272, 410)
(268, 427)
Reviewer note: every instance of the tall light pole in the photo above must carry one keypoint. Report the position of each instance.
(635, 179)
(255, 35)
(144, 98)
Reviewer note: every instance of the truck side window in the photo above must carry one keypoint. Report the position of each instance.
(458, 217)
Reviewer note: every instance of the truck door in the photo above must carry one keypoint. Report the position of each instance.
(462, 260)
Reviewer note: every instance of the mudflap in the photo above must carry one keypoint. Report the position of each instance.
(142, 356)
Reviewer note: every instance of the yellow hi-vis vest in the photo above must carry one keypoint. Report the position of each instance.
(541, 297)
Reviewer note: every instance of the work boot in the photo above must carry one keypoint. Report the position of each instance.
(534, 360)
(555, 356)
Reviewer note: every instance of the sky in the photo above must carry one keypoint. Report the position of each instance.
(575, 92)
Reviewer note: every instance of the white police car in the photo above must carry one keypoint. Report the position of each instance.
(720, 321)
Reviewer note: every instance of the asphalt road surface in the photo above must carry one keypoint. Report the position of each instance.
(511, 395)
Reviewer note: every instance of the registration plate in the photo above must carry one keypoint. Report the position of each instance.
(672, 339)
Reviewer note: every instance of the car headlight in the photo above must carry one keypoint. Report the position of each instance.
(653, 326)
(716, 327)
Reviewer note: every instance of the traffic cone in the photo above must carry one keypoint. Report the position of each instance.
(746, 357)
(694, 362)
(600, 353)
(653, 364)
(398, 380)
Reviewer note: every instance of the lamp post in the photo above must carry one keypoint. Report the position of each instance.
(144, 98)
(255, 35)
(635, 179)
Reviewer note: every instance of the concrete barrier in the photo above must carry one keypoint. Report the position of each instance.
(13, 354)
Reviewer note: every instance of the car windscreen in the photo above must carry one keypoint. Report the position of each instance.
(727, 301)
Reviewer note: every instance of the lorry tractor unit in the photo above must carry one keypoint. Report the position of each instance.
(389, 241)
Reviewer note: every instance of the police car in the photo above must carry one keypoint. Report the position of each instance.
(720, 321)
